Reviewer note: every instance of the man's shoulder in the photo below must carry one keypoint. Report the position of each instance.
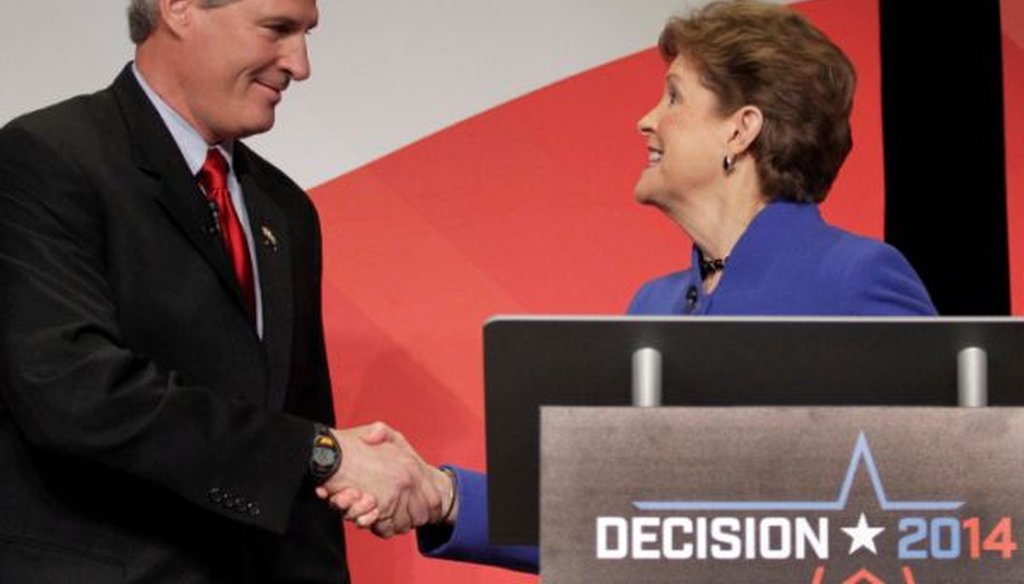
(260, 166)
(269, 175)
(85, 116)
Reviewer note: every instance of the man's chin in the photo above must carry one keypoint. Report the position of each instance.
(257, 126)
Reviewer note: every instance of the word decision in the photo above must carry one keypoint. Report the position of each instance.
(717, 538)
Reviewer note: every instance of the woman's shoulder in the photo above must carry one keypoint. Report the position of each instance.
(844, 250)
(874, 277)
(658, 296)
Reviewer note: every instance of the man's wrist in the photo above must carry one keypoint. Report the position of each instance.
(325, 456)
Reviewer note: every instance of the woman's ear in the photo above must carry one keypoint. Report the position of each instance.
(747, 124)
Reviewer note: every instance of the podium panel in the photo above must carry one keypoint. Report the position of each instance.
(717, 361)
(844, 495)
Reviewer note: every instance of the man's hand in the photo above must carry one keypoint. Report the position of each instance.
(383, 483)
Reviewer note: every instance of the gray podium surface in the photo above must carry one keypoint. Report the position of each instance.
(799, 494)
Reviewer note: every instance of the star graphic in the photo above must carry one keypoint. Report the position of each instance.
(863, 535)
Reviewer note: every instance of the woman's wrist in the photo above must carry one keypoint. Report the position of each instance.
(450, 497)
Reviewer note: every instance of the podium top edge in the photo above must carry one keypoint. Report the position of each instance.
(502, 318)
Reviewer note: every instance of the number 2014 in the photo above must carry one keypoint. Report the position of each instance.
(941, 538)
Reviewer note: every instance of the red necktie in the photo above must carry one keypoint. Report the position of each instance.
(213, 177)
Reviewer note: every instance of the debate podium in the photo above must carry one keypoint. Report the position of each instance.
(790, 450)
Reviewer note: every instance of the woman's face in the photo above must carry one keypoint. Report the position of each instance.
(686, 140)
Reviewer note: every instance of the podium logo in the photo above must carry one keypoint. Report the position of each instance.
(804, 530)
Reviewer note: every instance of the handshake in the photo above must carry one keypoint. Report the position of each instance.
(382, 483)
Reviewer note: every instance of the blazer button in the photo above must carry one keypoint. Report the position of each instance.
(691, 299)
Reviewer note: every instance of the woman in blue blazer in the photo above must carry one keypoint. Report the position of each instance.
(746, 140)
(788, 261)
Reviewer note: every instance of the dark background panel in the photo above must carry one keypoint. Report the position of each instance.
(945, 178)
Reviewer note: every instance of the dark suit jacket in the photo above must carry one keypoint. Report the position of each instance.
(147, 434)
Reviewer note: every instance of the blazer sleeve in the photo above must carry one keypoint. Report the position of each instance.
(72, 386)
(312, 549)
(466, 541)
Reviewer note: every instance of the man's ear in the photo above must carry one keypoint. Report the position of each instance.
(176, 14)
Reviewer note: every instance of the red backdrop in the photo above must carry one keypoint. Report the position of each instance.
(1013, 86)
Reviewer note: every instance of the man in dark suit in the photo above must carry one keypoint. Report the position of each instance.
(165, 405)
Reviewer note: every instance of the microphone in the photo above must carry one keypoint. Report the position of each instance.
(691, 299)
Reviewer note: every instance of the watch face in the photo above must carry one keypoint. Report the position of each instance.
(324, 456)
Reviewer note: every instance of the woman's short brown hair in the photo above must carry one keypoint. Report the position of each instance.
(769, 56)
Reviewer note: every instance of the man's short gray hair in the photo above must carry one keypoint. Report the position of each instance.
(143, 14)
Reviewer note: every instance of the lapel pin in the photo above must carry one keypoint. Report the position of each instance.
(269, 239)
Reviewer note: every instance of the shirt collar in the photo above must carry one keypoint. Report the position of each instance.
(191, 144)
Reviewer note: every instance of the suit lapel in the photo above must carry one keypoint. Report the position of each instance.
(157, 154)
(271, 238)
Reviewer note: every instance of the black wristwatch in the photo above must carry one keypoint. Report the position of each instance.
(325, 458)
